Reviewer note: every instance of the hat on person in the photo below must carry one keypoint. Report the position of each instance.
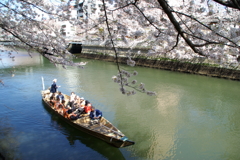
(81, 98)
(55, 80)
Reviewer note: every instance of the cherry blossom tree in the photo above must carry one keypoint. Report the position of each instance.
(180, 29)
(183, 30)
(33, 24)
(186, 30)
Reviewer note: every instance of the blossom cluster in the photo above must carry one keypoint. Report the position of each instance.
(128, 86)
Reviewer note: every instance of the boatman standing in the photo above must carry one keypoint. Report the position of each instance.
(54, 87)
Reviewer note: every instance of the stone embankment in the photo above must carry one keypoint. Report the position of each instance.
(199, 69)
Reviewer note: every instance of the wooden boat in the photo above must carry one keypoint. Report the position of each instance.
(103, 130)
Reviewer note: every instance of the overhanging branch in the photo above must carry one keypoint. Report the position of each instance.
(229, 3)
(177, 26)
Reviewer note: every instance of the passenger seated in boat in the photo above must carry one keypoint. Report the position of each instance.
(87, 102)
(77, 101)
(56, 104)
(76, 104)
(72, 116)
(52, 100)
(79, 110)
(95, 114)
(87, 109)
(65, 111)
(60, 96)
(60, 107)
(72, 100)
(82, 102)
(73, 108)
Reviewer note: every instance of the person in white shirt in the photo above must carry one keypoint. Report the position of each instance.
(72, 100)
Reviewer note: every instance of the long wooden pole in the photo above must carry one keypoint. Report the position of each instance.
(43, 84)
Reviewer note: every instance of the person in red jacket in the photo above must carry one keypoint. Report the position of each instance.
(88, 108)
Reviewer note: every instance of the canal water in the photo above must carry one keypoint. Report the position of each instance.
(192, 116)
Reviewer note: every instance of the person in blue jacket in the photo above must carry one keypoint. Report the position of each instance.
(60, 96)
(95, 114)
(54, 86)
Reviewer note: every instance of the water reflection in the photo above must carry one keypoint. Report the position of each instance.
(73, 135)
(192, 117)
(8, 142)
(22, 58)
(165, 136)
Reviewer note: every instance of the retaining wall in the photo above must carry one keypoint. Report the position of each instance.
(171, 65)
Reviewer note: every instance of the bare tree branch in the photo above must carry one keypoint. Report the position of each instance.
(111, 39)
(209, 28)
(177, 26)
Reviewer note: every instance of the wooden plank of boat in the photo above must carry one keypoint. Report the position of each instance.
(103, 130)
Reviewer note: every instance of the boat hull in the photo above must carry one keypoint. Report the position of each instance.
(116, 142)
